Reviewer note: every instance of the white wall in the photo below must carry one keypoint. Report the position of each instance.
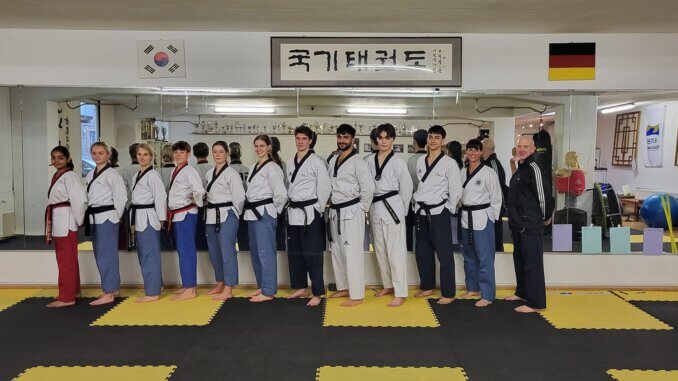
(5, 141)
(642, 180)
(241, 60)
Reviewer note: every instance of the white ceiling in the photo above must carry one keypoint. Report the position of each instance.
(353, 16)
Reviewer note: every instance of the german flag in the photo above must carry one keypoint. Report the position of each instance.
(572, 61)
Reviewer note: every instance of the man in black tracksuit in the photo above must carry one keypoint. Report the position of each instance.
(530, 205)
(490, 159)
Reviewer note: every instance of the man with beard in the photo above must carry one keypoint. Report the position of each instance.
(351, 196)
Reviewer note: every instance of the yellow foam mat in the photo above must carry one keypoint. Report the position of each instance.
(643, 375)
(373, 312)
(198, 312)
(508, 247)
(595, 310)
(85, 246)
(648, 296)
(10, 297)
(638, 238)
(99, 373)
(371, 373)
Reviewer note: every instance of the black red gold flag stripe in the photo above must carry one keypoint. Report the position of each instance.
(572, 61)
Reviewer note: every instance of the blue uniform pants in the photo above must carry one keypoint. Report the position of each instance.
(184, 233)
(148, 250)
(264, 255)
(221, 246)
(105, 243)
(479, 261)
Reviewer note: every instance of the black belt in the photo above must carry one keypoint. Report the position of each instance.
(470, 209)
(133, 220)
(92, 211)
(217, 208)
(427, 209)
(338, 207)
(302, 205)
(254, 205)
(383, 198)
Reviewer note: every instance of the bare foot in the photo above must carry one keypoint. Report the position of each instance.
(254, 293)
(445, 300)
(58, 303)
(179, 291)
(470, 294)
(217, 289)
(261, 298)
(396, 302)
(525, 309)
(226, 294)
(340, 294)
(315, 300)
(351, 302)
(146, 299)
(103, 299)
(384, 292)
(189, 293)
(301, 293)
(514, 298)
(423, 294)
(483, 303)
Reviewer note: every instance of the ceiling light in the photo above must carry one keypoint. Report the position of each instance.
(376, 111)
(531, 126)
(623, 107)
(203, 90)
(244, 110)
(395, 91)
(549, 113)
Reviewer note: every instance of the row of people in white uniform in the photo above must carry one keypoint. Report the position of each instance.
(380, 185)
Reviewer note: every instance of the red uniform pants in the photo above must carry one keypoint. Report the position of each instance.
(67, 260)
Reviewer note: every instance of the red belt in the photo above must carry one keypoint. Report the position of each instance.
(48, 218)
(172, 212)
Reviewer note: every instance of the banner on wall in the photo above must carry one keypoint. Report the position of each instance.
(64, 126)
(654, 136)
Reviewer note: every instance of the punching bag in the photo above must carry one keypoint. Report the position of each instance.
(543, 155)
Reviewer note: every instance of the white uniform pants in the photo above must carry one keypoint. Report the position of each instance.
(390, 246)
(348, 257)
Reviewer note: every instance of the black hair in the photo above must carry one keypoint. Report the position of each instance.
(201, 150)
(314, 140)
(181, 146)
(373, 136)
(420, 136)
(114, 158)
(235, 152)
(437, 129)
(454, 150)
(133, 151)
(221, 143)
(273, 154)
(64, 151)
(304, 130)
(388, 128)
(474, 143)
(346, 129)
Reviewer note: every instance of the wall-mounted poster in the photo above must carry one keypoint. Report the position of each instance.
(398, 148)
(654, 136)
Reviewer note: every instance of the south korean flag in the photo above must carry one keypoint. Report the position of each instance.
(161, 59)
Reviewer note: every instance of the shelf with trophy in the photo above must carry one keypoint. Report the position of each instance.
(155, 133)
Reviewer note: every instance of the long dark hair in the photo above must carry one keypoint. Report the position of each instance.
(275, 151)
(273, 154)
(235, 152)
(454, 150)
(64, 151)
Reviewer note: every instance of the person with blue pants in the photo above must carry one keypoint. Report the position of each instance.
(265, 199)
(147, 212)
(481, 201)
(225, 199)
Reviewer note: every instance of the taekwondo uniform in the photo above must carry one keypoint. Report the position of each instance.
(200, 237)
(481, 201)
(530, 203)
(352, 191)
(225, 199)
(309, 190)
(66, 204)
(435, 200)
(265, 198)
(185, 196)
(243, 232)
(494, 163)
(107, 197)
(147, 213)
(411, 219)
(392, 195)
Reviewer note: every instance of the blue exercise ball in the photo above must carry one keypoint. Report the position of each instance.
(652, 212)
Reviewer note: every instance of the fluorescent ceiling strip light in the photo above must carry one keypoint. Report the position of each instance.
(623, 107)
(244, 110)
(205, 90)
(549, 113)
(394, 91)
(600, 107)
(376, 111)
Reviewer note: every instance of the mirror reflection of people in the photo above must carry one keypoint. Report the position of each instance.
(107, 196)
(148, 211)
(490, 159)
(481, 201)
(66, 204)
(225, 200)
(530, 206)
